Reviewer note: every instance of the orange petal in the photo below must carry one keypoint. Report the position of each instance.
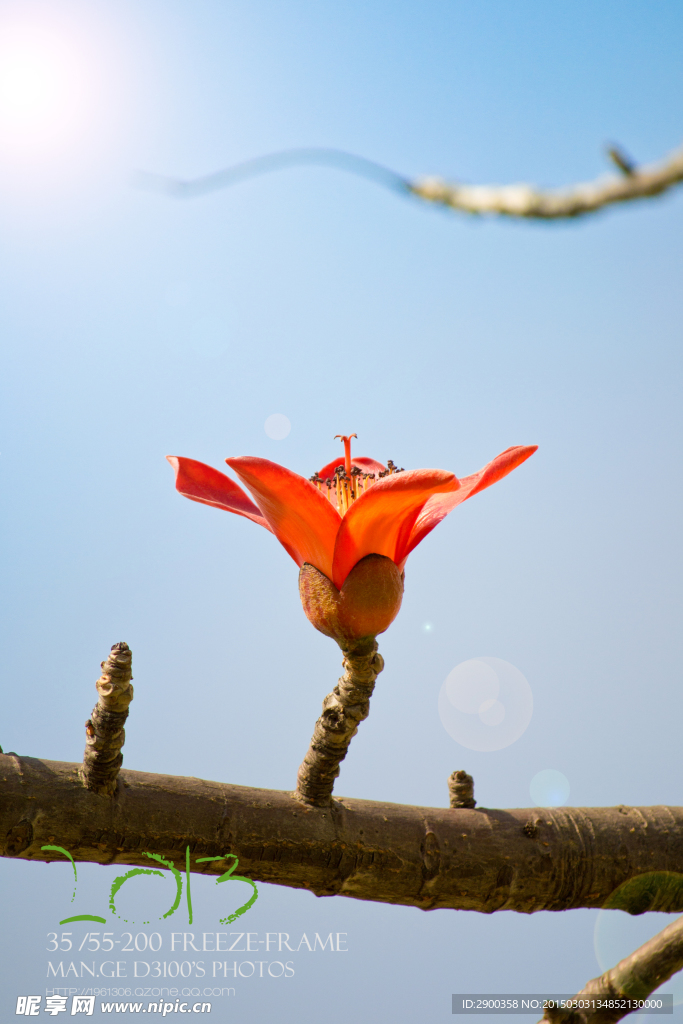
(380, 521)
(304, 521)
(440, 505)
(199, 482)
(362, 462)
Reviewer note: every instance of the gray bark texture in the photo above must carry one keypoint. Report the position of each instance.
(467, 859)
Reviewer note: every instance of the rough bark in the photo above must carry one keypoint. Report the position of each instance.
(343, 711)
(633, 978)
(104, 732)
(483, 859)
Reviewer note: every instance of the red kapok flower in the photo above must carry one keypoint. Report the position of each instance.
(350, 528)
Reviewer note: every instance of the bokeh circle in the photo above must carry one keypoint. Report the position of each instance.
(277, 426)
(485, 704)
(549, 788)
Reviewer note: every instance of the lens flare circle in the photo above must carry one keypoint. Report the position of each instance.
(277, 426)
(549, 788)
(485, 704)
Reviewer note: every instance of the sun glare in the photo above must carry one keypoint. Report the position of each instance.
(43, 90)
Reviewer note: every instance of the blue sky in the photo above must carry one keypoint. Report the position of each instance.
(136, 326)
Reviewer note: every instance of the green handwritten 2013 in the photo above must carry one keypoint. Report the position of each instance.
(120, 880)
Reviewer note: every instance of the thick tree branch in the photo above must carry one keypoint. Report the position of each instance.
(483, 859)
(527, 201)
(633, 978)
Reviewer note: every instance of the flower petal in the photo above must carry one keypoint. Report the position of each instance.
(199, 482)
(380, 521)
(304, 521)
(363, 462)
(438, 506)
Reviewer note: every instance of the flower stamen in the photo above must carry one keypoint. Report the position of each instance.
(349, 481)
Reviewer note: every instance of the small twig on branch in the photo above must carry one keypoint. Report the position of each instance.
(104, 732)
(624, 162)
(461, 790)
(343, 711)
(633, 978)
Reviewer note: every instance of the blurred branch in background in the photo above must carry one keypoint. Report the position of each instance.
(634, 978)
(525, 201)
(518, 200)
(177, 188)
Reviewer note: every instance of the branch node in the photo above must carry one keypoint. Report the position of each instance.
(461, 789)
(104, 732)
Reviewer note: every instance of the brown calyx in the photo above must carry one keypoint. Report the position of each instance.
(367, 604)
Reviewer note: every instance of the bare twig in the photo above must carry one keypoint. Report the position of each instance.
(104, 732)
(527, 201)
(343, 711)
(632, 979)
(426, 857)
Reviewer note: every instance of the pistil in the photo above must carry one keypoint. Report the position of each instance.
(346, 439)
(349, 481)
